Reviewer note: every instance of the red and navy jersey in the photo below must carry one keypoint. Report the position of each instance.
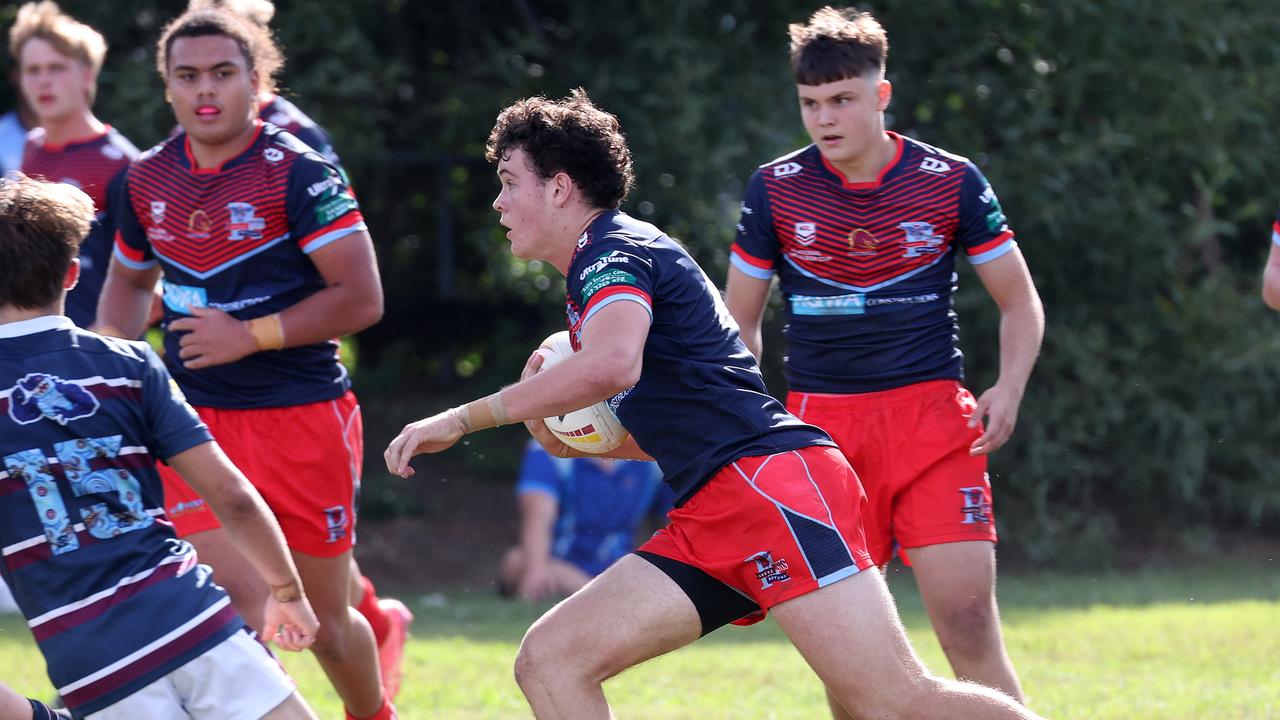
(867, 270)
(286, 116)
(1275, 230)
(94, 166)
(114, 600)
(237, 238)
(700, 402)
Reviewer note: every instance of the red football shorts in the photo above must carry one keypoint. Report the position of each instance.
(910, 447)
(305, 460)
(761, 531)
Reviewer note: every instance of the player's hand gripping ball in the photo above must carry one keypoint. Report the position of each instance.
(594, 429)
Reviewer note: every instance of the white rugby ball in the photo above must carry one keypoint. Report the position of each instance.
(593, 429)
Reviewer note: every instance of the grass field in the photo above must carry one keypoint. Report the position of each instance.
(1200, 644)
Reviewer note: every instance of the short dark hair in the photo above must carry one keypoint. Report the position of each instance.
(836, 45)
(41, 227)
(572, 136)
(256, 42)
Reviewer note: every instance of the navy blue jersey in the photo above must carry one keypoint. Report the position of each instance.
(114, 600)
(700, 402)
(286, 116)
(867, 270)
(95, 166)
(236, 238)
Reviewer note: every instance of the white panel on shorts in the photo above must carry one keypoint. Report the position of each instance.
(236, 680)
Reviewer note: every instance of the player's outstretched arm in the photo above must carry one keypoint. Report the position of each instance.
(1271, 279)
(124, 307)
(745, 297)
(289, 619)
(1009, 283)
(609, 362)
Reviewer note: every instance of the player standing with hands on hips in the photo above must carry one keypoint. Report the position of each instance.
(862, 229)
(767, 511)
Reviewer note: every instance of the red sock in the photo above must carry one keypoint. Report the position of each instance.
(368, 607)
(386, 712)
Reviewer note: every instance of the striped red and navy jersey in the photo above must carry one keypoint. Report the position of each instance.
(237, 238)
(700, 402)
(867, 270)
(114, 600)
(94, 166)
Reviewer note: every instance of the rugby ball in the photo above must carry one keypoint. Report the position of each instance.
(594, 429)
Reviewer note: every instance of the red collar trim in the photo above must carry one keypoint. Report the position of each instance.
(897, 156)
(50, 147)
(195, 167)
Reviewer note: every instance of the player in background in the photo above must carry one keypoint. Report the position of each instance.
(266, 260)
(389, 618)
(862, 229)
(130, 625)
(1271, 276)
(767, 515)
(58, 61)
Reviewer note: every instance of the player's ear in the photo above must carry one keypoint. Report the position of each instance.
(73, 274)
(884, 92)
(561, 188)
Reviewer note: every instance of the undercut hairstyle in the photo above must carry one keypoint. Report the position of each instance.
(837, 44)
(256, 42)
(46, 21)
(41, 227)
(259, 12)
(572, 136)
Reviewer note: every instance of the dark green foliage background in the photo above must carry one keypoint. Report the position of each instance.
(1132, 143)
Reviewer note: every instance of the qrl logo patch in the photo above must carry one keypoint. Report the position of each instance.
(806, 233)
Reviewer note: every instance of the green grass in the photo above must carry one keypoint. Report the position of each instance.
(1170, 644)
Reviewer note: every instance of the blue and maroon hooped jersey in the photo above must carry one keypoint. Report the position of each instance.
(114, 600)
(237, 238)
(867, 270)
(95, 166)
(700, 402)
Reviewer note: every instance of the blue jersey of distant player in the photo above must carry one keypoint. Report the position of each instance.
(700, 402)
(114, 600)
(286, 116)
(867, 270)
(96, 166)
(237, 238)
(600, 504)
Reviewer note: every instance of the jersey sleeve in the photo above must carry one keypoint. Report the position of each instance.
(538, 473)
(610, 271)
(321, 206)
(755, 249)
(173, 425)
(984, 230)
(132, 249)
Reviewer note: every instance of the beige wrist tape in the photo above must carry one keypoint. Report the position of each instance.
(484, 413)
(267, 332)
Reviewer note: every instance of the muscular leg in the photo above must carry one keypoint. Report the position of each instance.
(293, 708)
(850, 635)
(344, 646)
(630, 613)
(958, 584)
(233, 572)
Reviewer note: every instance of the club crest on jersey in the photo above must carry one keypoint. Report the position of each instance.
(199, 226)
(862, 242)
(806, 233)
(787, 168)
(273, 155)
(157, 212)
(244, 225)
(40, 396)
(920, 239)
(933, 165)
(768, 570)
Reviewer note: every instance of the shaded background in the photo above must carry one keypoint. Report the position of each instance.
(1131, 142)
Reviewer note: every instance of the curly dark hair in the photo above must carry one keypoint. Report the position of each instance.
(256, 42)
(572, 136)
(836, 45)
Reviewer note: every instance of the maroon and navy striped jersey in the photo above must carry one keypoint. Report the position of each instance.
(92, 165)
(114, 600)
(237, 238)
(867, 270)
(700, 402)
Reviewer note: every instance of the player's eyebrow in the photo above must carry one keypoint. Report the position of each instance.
(193, 68)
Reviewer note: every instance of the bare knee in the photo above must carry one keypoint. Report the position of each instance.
(969, 627)
(550, 653)
(335, 634)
